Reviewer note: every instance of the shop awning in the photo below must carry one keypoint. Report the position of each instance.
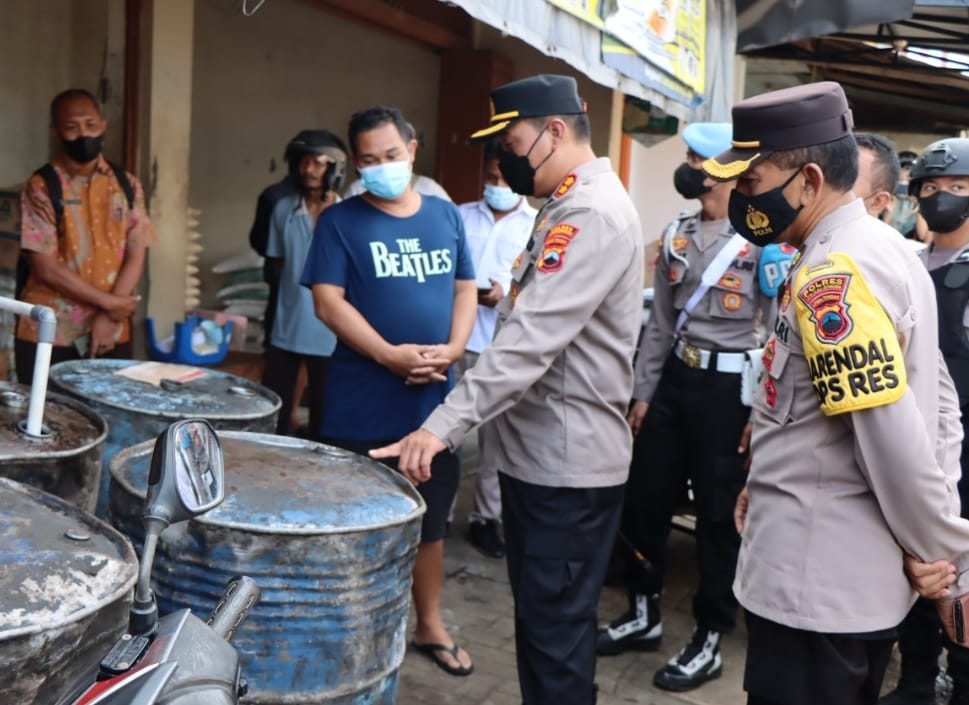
(615, 45)
(762, 23)
(900, 74)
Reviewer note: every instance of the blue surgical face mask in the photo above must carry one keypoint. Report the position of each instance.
(388, 180)
(500, 198)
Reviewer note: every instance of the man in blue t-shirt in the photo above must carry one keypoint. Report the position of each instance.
(391, 275)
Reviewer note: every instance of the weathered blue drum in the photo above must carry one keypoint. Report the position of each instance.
(329, 536)
(66, 583)
(137, 409)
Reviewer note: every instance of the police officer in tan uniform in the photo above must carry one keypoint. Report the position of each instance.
(554, 385)
(855, 444)
(713, 294)
(939, 179)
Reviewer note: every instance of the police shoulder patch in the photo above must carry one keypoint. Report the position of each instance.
(850, 344)
(553, 251)
(567, 183)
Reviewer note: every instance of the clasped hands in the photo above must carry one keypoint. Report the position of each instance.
(419, 364)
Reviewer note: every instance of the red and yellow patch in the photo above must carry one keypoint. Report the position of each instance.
(566, 186)
(680, 243)
(824, 298)
(767, 359)
(785, 298)
(732, 302)
(553, 251)
(731, 280)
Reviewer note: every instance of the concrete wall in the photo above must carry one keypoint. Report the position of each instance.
(259, 80)
(46, 47)
(651, 186)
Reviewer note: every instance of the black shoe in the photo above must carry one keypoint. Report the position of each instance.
(697, 663)
(904, 696)
(640, 629)
(486, 537)
(916, 685)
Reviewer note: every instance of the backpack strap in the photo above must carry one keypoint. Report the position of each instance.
(54, 191)
(124, 183)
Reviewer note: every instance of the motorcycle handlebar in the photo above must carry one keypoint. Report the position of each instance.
(237, 599)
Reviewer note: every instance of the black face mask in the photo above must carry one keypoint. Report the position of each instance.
(688, 181)
(517, 171)
(83, 149)
(944, 212)
(762, 218)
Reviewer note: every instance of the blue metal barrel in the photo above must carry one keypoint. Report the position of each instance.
(66, 582)
(137, 408)
(329, 536)
(66, 459)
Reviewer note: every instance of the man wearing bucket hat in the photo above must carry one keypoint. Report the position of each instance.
(554, 385)
(854, 440)
(713, 295)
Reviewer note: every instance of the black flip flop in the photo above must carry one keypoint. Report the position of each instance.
(432, 650)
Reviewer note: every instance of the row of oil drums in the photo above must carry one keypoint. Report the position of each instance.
(329, 536)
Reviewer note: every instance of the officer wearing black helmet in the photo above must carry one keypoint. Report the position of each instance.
(294, 335)
(286, 186)
(939, 179)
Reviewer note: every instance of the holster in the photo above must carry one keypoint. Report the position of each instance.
(954, 612)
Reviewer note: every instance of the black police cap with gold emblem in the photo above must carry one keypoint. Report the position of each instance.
(802, 116)
(535, 96)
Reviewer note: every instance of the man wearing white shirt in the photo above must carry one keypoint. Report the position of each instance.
(497, 229)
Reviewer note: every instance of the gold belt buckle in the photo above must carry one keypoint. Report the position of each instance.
(691, 356)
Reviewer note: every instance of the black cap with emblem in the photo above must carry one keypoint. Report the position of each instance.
(802, 116)
(535, 96)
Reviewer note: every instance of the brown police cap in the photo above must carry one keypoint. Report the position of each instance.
(802, 116)
(535, 96)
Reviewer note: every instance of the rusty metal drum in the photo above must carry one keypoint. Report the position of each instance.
(329, 536)
(66, 583)
(66, 459)
(140, 399)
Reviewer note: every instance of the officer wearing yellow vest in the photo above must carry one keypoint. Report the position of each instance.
(856, 438)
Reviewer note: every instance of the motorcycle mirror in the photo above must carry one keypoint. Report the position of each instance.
(186, 477)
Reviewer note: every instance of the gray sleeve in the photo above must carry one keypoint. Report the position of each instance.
(949, 444)
(548, 314)
(918, 499)
(658, 336)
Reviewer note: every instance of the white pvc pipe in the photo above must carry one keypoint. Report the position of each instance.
(38, 390)
(46, 329)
